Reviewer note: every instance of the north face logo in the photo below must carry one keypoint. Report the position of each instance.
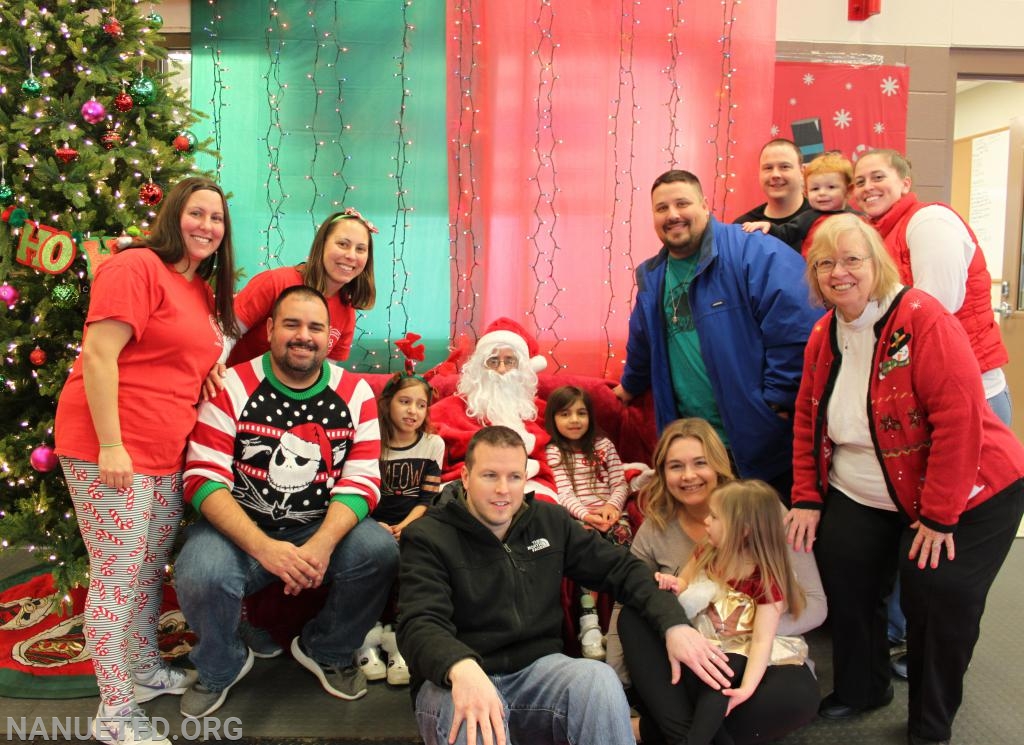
(539, 545)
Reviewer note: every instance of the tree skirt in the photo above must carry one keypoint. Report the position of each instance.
(42, 646)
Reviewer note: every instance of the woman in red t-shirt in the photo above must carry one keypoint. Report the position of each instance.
(154, 330)
(339, 266)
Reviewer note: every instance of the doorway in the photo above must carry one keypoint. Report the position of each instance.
(988, 171)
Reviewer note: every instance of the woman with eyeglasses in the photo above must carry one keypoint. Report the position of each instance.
(899, 466)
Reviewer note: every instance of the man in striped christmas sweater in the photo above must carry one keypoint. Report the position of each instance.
(283, 468)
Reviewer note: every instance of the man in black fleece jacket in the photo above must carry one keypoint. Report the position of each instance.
(481, 620)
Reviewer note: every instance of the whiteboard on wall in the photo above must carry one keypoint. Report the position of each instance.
(990, 157)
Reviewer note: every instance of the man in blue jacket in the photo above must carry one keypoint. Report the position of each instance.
(719, 329)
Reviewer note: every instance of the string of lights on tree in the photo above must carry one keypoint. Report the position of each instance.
(93, 135)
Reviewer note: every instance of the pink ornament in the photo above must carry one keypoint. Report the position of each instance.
(43, 459)
(9, 295)
(93, 111)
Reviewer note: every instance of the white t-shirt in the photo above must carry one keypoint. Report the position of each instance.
(941, 250)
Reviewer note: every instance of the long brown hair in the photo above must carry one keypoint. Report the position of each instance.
(399, 382)
(166, 241)
(754, 532)
(655, 500)
(361, 292)
(561, 398)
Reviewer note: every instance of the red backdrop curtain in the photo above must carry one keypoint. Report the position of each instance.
(561, 114)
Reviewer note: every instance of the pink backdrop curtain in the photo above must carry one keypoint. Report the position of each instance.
(561, 114)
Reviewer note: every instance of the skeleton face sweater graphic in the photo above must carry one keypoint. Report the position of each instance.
(285, 454)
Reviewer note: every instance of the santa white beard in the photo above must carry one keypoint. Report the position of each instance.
(505, 399)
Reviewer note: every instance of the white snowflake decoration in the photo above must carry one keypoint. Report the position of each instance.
(842, 119)
(792, 102)
(808, 79)
(890, 86)
(775, 130)
(879, 128)
(849, 86)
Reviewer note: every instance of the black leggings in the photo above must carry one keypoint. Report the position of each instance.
(786, 699)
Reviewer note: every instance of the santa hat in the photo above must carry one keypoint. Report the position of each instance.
(310, 441)
(505, 332)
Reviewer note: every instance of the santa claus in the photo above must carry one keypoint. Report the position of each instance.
(498, 385)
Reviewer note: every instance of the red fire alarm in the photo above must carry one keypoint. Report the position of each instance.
(861, 10)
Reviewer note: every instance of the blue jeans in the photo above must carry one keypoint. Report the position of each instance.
(213, 576)
(1002, 405)
(556, 699)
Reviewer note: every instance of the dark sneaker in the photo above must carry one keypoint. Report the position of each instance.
(259, 641)
(168, 680)
(348, 683)
(200, 701)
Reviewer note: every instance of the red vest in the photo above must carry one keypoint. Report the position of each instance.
(975, 315)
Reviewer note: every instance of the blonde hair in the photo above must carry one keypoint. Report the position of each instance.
(754, 533)
(829, 163)
(655, 501)
(826, 238)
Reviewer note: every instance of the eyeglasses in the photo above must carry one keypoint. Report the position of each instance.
(509, 362)
(850, 263)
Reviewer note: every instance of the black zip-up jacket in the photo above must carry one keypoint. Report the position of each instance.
(464, 593)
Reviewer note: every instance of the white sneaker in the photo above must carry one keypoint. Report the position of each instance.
(367, 657)
(169, 680)
(369, 661)
(591, 639)
(398, 670)
(129, 726)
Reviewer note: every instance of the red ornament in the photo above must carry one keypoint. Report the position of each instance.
(43, 459)
(151, 194)
(110, 139)
(37, 357)
(114, 28)
(182, 144)
(66, 153)
(123, 102)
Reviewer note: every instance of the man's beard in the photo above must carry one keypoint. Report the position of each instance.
(299, 369)
(500, 399)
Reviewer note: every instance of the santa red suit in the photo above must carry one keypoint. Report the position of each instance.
(458, 417)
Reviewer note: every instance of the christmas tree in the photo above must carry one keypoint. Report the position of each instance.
(91, 132)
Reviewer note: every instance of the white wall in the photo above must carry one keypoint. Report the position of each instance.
(987, 107)
(944, 23)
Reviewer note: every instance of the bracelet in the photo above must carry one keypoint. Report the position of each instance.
(112, 445)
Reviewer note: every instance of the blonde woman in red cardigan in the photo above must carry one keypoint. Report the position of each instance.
(900, 466)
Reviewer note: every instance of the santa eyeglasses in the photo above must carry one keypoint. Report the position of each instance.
(509, 362)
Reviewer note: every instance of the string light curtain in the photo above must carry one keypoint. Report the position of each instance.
(553, 117)
(560, 115)
(318, 106)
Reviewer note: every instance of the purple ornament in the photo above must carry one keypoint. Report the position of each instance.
(43, 459)
(93, 111)
(9, 295)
